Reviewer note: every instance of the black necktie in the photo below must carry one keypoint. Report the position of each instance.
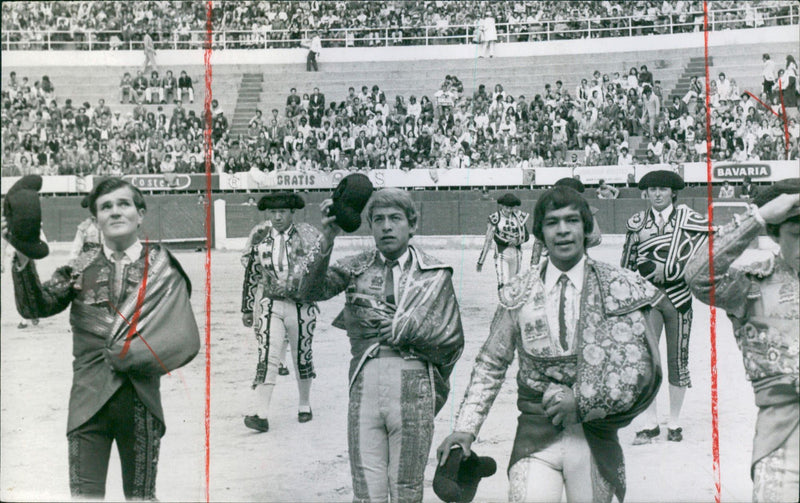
(388, 284)
(562, 321)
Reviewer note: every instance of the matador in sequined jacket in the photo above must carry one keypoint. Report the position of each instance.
(614, 373)
(426, 321)
(762, 300)
(86, 284)
(660, 256)
(262, 281)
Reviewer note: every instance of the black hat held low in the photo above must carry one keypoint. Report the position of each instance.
(457, 480)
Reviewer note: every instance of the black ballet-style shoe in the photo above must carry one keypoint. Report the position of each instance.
(282, 370)
(646, 436)
(675, 435)
(304, 417)
(256, 423)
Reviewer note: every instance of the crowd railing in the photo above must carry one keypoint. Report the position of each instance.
(744, 16)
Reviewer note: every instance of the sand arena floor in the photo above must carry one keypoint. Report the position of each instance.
(308, 462)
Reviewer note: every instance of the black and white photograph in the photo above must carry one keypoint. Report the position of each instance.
(400, 251)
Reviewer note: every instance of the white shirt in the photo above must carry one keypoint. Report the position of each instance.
(397, 272)
(279, 238)
(664, 214)
(572, 302)
(130, 255)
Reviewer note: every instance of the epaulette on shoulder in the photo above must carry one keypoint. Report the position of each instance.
(494, 218)
(636, 221)
(691, 220)
(759, 268)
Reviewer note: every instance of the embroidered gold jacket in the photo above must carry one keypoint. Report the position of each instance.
(614, 373)
(260, 277)
(426, 321)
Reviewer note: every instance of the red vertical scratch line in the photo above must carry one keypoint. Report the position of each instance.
(139, 301)
(785, 119)
(713, 309)
(209, 157)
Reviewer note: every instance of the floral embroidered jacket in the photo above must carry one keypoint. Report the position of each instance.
(260, 278)
(614, 374)
(426, 321)
(86, 284)
(762, 299)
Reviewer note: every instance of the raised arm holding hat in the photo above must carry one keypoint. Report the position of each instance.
(115, 393)
(658, 243)
(273, 259)
(507, 228)
(402, 319)
(762, 299)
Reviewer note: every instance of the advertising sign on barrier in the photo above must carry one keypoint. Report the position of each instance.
(591, 175)
(291, 180)
(172, 181)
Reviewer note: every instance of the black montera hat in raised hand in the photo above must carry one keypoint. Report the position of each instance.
(281, 201)
(786, 186)
(571, 183)
(23, 213)
(509, 200)
(457, 480)
(349, 200)
(662, 178)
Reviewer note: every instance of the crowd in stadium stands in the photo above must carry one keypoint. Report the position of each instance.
(182, 24)
(44, 134)
(488, 129)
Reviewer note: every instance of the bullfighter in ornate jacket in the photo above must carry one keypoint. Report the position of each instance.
(404, 326)
(588, 362)
(658, 243)
(273, 258)
(507, 227)
(115, 393)
(762, 299)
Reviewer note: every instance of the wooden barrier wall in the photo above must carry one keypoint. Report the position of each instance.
(442, 213)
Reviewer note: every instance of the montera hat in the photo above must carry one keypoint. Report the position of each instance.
(662, 178)
(349, 200)
(571, 183)
(281, 201)
(23, 213)
(85, 201)
(457, 480)
(787, 186)
(509, 200)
